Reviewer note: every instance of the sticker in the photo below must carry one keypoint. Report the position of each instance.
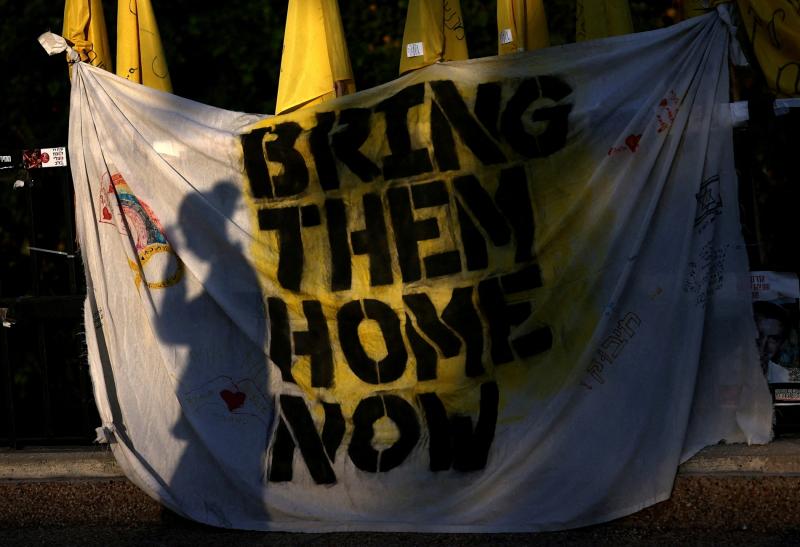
(414, 50)
(505, 36)
(54, 157)
(44, 157)
(774, 285)
(787, 395)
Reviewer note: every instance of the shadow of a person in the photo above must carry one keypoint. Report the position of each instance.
(214, 322)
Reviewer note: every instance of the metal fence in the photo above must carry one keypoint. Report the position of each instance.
(45, 390)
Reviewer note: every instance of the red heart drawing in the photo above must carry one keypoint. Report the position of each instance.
(233, 399)
(633, 142)
(106, 214)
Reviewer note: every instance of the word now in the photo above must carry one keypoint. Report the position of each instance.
(452, 440)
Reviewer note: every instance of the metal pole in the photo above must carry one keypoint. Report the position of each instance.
(69, 221)
(5, 370)
(32, 242)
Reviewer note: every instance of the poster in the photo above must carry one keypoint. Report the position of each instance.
(776, 308)
(419, 307)
(44, 157)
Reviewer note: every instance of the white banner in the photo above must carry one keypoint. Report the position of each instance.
(494, 295)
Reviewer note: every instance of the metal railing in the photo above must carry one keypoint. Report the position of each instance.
(45, 390)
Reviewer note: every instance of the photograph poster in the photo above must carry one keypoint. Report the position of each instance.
(776, 308)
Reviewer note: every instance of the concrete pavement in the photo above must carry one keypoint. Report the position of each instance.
(727, 492)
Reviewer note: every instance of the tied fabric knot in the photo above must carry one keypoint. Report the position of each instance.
(54, 44)
(105, 434)
(736, 55)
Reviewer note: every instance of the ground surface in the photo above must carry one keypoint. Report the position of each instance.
(186, 534)
(726, 495)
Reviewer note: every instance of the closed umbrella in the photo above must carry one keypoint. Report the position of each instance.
(140, 55)
(773, 27)
(85, 28)
(434, 32)
(315, 66)
(693, 8)
(521, 26)
(602, 18)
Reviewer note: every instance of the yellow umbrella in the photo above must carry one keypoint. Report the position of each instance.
(693, 8)
(434, 32)
(140, 55)
(773, 28)
(315, 66)
(521, 26)
(85, 28)
(602, 18)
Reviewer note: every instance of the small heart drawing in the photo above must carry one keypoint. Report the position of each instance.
(233, 399)
(106, 214)
(633, 142)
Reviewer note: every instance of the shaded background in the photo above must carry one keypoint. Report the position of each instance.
(227, 54)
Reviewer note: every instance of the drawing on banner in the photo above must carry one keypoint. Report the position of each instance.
(230, 399)
(706, 275)
(158, 265)
(611, 347)
(709, 203)
(667, 110)
(631, 145)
